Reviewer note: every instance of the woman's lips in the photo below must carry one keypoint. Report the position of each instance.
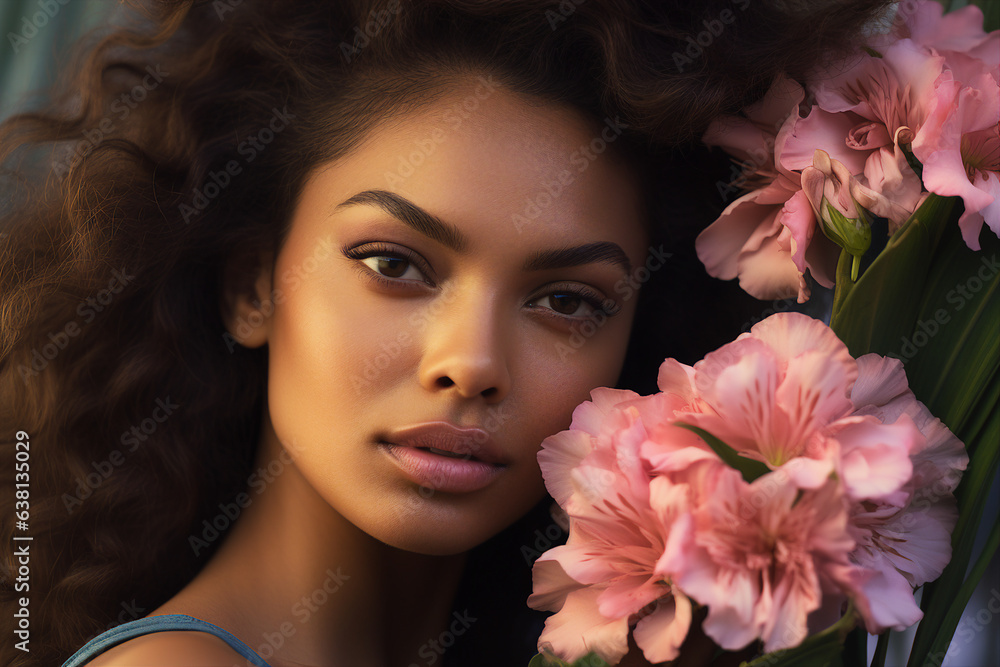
(441, 473)
(473, 460)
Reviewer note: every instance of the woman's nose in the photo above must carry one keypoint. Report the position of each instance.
(464, 349)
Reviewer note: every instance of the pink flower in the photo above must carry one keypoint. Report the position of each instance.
(958, 32)
(958, 144)
(959, 147)
(590, 429)
(933, 90)
(904, 540)
(833, 194)
(925, 92)
(864, 116)
(780, 394)
(858, 503)
(603, 580)
(761, 556)
(829, 182)
(766, 237)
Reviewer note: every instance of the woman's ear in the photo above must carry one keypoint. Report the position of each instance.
(246, 297)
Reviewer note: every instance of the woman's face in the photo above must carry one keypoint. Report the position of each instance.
(457, 283)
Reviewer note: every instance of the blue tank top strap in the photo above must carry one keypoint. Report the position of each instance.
(151, 624)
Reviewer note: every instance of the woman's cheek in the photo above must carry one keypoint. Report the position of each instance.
(575, 364)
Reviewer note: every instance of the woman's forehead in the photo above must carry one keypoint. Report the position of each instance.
(482, 154)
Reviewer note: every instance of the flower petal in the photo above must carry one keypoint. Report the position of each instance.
(875, 457)
(578, 628)
(887, 602)
(550, 584)
(560, 453)
(829, 130)
(880, 380)
(661, 633)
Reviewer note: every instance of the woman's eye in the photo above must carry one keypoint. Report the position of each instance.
(393, 267)
(571, 305)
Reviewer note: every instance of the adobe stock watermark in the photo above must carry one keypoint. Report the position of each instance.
(495, 419)
(713, 30)
(546, 538)
(627, 287)
(777, 306)
(416, 324)
(302, 611)
(87, 310)
(257, 482)
(904, 10)
(581, 158)
(363, 36)
(600, 485)
(972, 625)
(37, 21)
(761, 494)
(453, 116)
(958, 297)
(131, 440)
(293, 277)
(223, 7)
(121, 108)
(249, 149)
(566, 9)
(741, 171)
(431, 651)
(130, 611)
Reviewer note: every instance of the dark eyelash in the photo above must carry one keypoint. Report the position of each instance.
(595, 299)
(374, 249)
(379, 249)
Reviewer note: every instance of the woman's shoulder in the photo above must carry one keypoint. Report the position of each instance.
(177, 648)
(167, 638)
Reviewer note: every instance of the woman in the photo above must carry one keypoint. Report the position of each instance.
(305, 285)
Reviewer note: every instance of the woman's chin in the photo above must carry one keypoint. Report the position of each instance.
(427, 538)
(435, 527)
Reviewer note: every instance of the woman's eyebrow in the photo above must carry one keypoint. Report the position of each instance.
(431, 226)
(603, 251)
(410, 214)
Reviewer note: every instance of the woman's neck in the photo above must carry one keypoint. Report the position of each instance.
(301, 585)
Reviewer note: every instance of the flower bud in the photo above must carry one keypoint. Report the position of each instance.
(833, 194)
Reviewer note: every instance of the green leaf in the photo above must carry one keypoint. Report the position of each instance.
(824, 649)
(942, 608)
(953, 613)
(749, 468)
(878, 310)
(934, 303)
(852, 234)
(881, 649)
(549, 660)
(953, 350)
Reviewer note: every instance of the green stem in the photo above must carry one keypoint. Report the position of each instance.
(881, 649)
(816, 649)
(856, 648)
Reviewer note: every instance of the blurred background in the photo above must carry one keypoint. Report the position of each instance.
(37, 36)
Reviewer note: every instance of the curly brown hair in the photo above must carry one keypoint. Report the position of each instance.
(122, 210)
